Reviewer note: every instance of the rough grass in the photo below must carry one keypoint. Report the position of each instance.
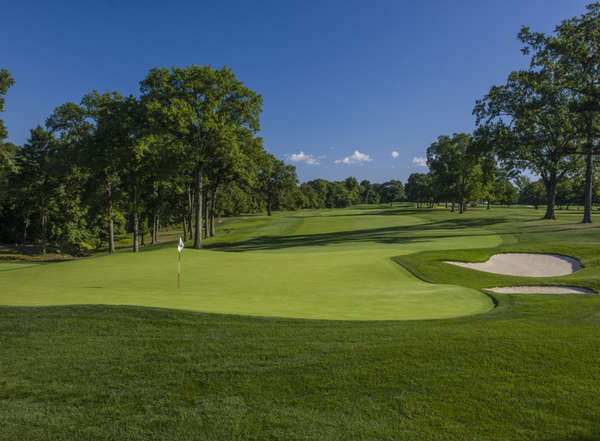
(526, 370)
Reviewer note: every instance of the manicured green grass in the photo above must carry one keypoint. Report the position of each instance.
(525, 370)
(325, 265)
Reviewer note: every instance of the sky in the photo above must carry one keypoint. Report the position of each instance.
(350, 88)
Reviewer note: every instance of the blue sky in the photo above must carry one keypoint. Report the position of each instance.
(345, 83)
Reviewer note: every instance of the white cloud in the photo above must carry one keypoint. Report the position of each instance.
(419, 161)
(356, 158)
(303, 157)
(395, 154)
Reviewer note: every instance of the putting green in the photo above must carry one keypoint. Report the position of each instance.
(332, 264)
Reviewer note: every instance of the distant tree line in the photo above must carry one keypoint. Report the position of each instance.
(321, 193)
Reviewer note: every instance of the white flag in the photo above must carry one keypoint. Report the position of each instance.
(180, 246)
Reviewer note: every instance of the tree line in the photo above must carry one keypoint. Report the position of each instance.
(113, 164)
(186, 150)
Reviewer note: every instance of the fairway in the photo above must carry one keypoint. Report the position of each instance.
(327, 264)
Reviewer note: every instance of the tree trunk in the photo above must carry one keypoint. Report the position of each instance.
(550, 196)
(452, 209)
(25, 226)
(136, 221)
(184, 227)
(587, 207)
(269, 206)
(213, 208)
(461, 207)
(190, 211)
(206, 210)
(153, 236)
(488, 204)
(198, 207)
(111, 235)
(111, 226)
(44, 221)
(155, 225)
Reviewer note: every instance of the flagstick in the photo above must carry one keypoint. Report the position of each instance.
(179, 250)
(179, 271)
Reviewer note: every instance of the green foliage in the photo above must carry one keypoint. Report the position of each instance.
(392, 191)
(419, 188)
(456, 168)
(275, 179)
(533, 193)
(6, 81)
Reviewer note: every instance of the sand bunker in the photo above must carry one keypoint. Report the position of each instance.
(525, 264)
(541, 290)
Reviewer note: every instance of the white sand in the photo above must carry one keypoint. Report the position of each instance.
(525, 264)
(541, 290)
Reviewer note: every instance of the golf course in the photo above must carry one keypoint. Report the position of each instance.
(312, 324)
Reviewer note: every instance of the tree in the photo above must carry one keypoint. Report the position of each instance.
(368, 194)
(574, 52)
(6, 81)
(195, 106)
(418, 188)
(530, 126)
(35, 179)
(316, 192)
(455, 165)
(503, 191)
(565, 194)
(533, 193)
(392, 191)
(274, 178)
(235, 161)
(7, 151)
(353, 189)
(106, 151)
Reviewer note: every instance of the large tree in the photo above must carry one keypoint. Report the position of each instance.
(106, 152)
(195, 106)
(454, 164)
(572, 52)
(392, 191)
(419, 188)
(528, 123)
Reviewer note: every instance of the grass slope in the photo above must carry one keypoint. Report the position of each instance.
(526, 370)
(325, 265)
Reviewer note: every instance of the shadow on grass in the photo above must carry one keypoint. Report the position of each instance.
(385, 235)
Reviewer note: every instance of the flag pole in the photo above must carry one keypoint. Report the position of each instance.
(179, 270)
(180, 247)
